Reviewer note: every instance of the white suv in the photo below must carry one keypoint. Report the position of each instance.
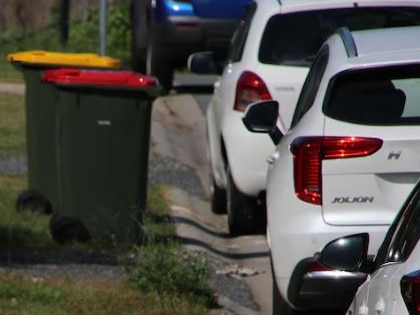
(348, 162)
(393, 287)
(269, 58)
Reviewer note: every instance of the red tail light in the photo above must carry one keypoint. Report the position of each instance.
(308, 153)
(249, 89)
(410, 291)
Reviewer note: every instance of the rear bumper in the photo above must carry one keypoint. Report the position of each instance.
(323, 290)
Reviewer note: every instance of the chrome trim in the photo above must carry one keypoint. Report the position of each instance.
(332, 274)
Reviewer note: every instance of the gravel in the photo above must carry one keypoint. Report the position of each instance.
(84, 264)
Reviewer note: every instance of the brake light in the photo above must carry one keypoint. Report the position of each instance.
(410, 291)
(249, 89)
(308, 153)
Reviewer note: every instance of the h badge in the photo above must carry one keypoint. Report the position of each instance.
(394, 155)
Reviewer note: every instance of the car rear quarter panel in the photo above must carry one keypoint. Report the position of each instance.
(370, 189)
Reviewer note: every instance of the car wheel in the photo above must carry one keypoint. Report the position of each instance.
(241, 209)
(33, 201)
(157, 63)
(140, 11)
(217, 197)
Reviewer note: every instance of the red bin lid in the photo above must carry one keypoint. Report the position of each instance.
(73, 76)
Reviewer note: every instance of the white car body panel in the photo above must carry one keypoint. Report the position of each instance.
(384, 179)
(381, 294)
(297, 229)
(249, 167)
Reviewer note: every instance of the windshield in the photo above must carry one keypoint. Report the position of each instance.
(294, 39)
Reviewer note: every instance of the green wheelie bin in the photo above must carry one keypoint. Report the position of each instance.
(103, 137)
(40, 107)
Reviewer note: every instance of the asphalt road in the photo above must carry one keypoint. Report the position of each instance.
(178, 132)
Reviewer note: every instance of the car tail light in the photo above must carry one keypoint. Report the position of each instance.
(308, 153)
(249, 89)
(410, 291)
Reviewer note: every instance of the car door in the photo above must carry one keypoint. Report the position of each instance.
(398, 256)
(223, 96)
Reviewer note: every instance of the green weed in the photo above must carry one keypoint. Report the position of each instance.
(12, 124)
(33, 295)
(20, 230)
(83, 38)
(172, 274)
(163, 278)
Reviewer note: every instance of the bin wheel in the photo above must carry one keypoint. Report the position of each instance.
(65, 230)
(34, 201)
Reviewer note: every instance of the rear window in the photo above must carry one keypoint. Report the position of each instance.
(294, 38)
(387, 95)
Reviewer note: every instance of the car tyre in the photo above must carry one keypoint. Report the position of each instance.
(217, 197)
(240, 209)
(140, 11)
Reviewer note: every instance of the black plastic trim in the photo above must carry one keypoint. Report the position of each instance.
(322, 291)
(348, 41)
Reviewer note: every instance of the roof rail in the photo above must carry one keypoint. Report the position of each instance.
(348, 41)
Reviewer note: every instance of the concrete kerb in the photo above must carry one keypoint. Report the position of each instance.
(178, 130)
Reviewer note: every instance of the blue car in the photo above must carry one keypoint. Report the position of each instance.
(166, 32)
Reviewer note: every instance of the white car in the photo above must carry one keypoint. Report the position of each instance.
(348, 162)
(393, 283)
(269, 58)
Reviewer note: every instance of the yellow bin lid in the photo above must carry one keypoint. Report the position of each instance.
(64, 59)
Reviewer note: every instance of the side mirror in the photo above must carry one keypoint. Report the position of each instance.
(348, 253)
(261, 117)
(203, 63)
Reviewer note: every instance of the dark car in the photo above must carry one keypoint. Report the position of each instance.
(165, 32)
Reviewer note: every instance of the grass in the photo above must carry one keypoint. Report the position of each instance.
(7, 71)
(25, 295)
(12, 124)
(20, 230)
(162, 277)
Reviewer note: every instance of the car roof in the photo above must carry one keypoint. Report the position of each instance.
(285, 6)
(376, 46)
(355, 3)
